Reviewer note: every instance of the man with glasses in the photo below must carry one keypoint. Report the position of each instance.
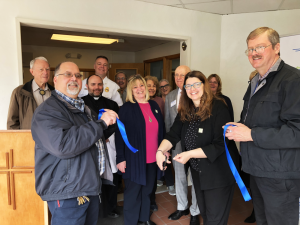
(121, 80)
(269, 131)
(181, 183)
(70, 151)
(27, 97)
(110, 88)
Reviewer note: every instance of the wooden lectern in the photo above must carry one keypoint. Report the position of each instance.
(19, 202)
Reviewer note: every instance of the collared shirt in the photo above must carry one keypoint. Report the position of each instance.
(79, 104)
(178, 97)
(36, 93)
(110, 90)
(273, 68)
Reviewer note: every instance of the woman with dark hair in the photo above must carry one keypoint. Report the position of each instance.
(216, 88)
(198, 126)
(145, 130)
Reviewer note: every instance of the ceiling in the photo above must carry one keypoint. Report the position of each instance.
(224, 7)
(42, 37)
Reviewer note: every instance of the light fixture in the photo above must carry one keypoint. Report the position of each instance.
(183, 46)
(94, 40)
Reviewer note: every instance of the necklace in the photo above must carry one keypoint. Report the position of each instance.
(150, 120)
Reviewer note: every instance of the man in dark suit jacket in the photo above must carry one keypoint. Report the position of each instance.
(96, 101)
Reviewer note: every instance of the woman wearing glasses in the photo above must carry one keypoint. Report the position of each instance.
(164, 88)
(198, 126)
(145, 130)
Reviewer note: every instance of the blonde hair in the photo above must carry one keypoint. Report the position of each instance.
(131, 82)
(273, 36)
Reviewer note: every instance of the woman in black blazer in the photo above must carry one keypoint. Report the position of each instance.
(145, 130)
(198, 125)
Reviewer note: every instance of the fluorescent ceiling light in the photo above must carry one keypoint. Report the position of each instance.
(73, 38)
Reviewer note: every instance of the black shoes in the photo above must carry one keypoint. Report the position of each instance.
(153, 207)
(195, 220)
(113, 214)
(146, 223)
(251, 218)
(178, 213)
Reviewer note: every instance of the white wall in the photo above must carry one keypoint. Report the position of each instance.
(203, 30)
(235, 67)
(170, 48)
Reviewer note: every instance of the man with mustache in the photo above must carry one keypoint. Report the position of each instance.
(269, 131)
(110, 88)
(27, 97)
(70, 151)
(96, 101)
(121, 80)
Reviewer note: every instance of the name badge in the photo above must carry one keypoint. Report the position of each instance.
(200, 130)
(173, 103)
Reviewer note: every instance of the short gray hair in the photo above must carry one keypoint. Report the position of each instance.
(164, 80)
(119, 73)
(40, 58)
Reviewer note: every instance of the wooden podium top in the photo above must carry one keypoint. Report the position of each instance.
(15, 131)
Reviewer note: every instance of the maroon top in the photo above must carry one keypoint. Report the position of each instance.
(161, 104)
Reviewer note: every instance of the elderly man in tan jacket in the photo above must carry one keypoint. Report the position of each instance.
(27, 97)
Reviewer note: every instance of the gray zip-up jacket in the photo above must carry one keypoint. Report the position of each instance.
(66, 157)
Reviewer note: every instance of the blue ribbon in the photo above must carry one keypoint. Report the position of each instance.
(234, 171)
(122, 131)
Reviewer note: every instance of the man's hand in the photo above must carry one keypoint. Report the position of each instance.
(109, 117)
(182, 157)
(239, 133)
(121, 166)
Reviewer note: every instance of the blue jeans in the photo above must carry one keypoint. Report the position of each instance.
(68, 212)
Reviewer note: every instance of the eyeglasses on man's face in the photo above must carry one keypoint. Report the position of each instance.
(69, 75)
(179, 76)
(259, 50)
(195, 85)
(165, 86)
(121, 78)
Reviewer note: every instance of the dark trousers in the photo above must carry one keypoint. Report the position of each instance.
(109, 196)
(137, 198)
(275, 201)
(168, 177)
(214, 204)
(68, 212)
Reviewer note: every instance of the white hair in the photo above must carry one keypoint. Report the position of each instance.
(41, 58)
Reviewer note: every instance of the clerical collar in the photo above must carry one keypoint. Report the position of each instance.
(96, 98)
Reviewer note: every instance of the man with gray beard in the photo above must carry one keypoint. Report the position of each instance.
(71, 157)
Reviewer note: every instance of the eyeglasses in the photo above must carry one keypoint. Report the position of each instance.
(69, 75)
(121, 78)
(179, 76)
(162, 87)
(213, 82)
(189, 86)
(259, 50)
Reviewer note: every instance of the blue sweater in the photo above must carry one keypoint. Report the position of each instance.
(132, 117)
